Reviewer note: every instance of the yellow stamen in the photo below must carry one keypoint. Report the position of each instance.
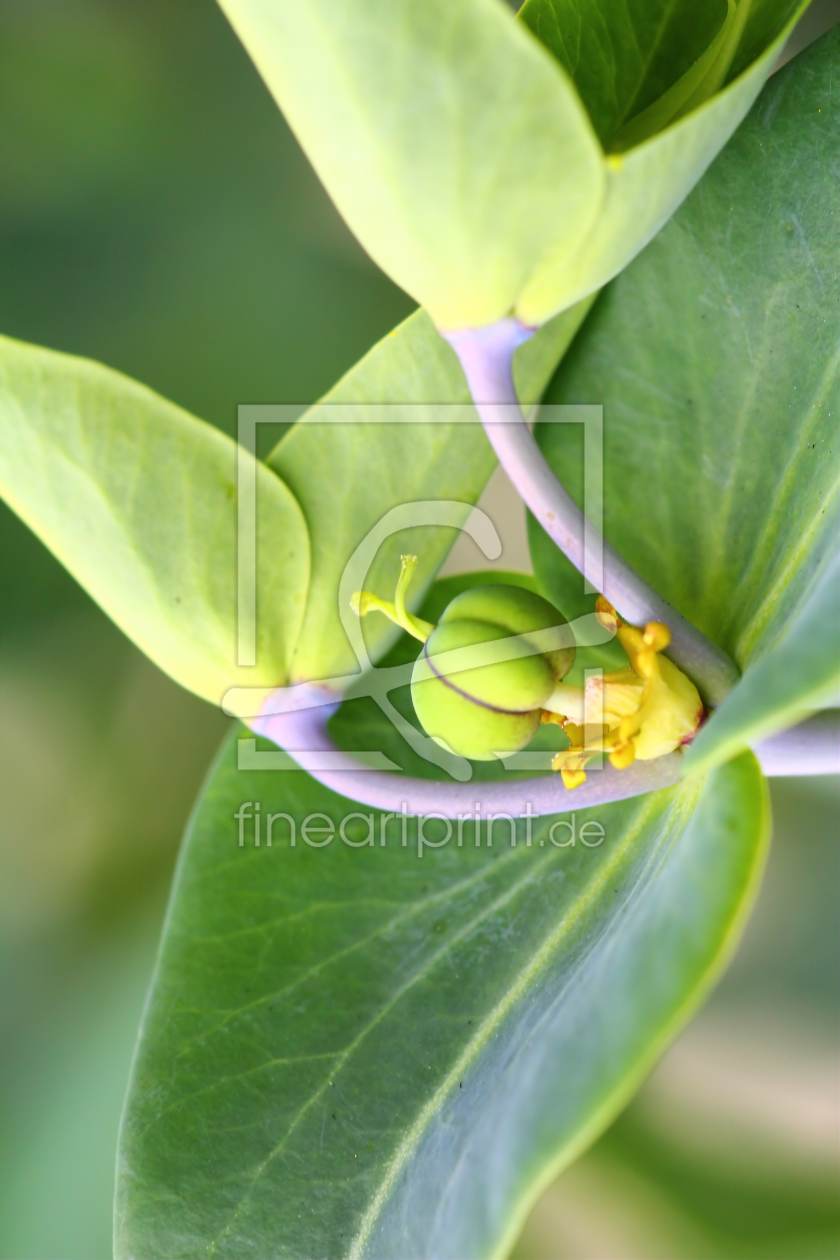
(573, 778)
(623, 757)
(656, 636)
(646, 711)
(606, 614)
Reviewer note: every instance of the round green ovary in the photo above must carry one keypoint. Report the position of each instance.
(518, 611)
(465, 728)
(484, 710)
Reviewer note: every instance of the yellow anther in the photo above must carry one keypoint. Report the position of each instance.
(621, 758)
(644, 662)
(656, 636)
(572, 778)
(647, 710)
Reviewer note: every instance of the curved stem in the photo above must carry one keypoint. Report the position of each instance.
(298, 722)
(486, 356)
(303, 733)
(813, 747)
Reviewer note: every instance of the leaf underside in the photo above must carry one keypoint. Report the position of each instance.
(438, 130)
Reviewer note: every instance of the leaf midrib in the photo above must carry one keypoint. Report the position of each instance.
(482, 1035)
(526, 978)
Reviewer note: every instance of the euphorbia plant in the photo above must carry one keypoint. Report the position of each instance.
(371, 1032)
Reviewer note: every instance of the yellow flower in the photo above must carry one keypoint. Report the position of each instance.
(637, 713)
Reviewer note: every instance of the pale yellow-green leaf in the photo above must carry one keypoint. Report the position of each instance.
(347, 476)
(138, 500)
(452, 142)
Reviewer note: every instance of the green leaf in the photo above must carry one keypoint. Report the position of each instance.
(766, 19)
(138, 500)
(645, 185)
(652, 60)
(460, 154)
(364, 1052)
(623, 56)
(452, 143)
(799, 674)
(716, 358)
(347, 476)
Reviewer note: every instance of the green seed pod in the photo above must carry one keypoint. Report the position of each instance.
(472, 704)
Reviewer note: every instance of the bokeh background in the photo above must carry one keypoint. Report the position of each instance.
(157, 215)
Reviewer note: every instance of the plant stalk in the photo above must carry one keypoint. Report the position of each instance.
(486, 356)
(813, 747)
(296, 719)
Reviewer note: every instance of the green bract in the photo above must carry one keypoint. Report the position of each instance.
(482, 709)
(478, 169)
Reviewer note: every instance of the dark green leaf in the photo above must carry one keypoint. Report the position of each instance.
(765, 21)
(716, 356)
(653, 172)
(622, 56)
(361, 1051)
(799, 674)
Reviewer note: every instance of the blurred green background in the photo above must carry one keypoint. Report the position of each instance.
(156, 214)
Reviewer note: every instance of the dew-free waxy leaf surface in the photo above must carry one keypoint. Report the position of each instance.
(138, 499)
(451, 141)
(356, 1051)
(716, 358)
(459, 151)
(347, 476)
